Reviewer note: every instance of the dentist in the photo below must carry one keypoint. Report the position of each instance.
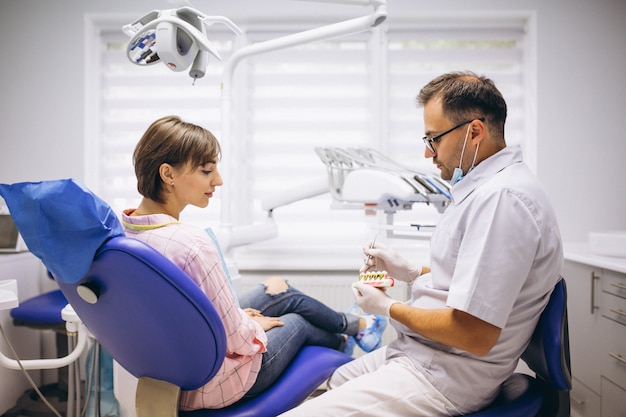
(496, 255)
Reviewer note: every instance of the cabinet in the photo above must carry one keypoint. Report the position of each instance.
(597, 325)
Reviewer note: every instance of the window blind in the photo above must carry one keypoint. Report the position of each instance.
(357, 91)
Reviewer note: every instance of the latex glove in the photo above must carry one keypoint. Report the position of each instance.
(383, 258)
(372, 300)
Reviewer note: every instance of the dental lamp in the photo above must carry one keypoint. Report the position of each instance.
(231, 143)
(176, 37)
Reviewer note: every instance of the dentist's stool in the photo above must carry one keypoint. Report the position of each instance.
(546, 394)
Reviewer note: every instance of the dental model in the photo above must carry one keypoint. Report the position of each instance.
(376, 279)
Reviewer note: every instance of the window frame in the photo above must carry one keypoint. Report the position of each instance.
(251, 255)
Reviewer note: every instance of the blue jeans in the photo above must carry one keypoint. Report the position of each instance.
(306, 322)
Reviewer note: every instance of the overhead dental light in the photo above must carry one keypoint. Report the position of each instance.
(149, 44)
(176, 37)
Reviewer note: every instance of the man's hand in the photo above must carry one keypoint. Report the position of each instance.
(372, 300)
(383, 258)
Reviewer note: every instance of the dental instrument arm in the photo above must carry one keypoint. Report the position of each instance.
(182, 33)
(244, 235)
(284, 197)
(230, 139)
(73, 326)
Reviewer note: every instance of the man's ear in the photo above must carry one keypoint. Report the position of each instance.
(477, 132)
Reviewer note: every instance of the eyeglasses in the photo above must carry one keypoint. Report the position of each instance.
(429, 141)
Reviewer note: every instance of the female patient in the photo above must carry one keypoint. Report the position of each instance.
(176, 165)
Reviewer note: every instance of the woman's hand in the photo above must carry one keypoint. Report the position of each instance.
(268, 322)
(265, 322)
(252, 312)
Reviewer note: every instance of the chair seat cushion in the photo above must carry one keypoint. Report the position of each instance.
(44, 309)
(311, 367)
(520, 396)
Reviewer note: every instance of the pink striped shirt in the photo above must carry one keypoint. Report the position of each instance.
(191, 249)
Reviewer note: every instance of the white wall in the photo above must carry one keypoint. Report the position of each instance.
(581, 93)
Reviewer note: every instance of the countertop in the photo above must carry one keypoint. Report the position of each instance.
(581, 253)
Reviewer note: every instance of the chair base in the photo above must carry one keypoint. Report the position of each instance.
(155, 398)
(30, 405)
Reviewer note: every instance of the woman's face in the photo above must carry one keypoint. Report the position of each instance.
(195, 185)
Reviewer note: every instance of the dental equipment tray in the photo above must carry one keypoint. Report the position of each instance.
(364, 176)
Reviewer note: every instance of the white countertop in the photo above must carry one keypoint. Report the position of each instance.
(350, 259)
(580, 252)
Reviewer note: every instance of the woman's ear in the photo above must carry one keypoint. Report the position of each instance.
(166, 171)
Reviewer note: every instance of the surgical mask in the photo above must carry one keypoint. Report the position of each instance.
(457, 174)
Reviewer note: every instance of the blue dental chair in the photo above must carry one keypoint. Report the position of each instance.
(546, 394)
(143, 310)
(158, 325)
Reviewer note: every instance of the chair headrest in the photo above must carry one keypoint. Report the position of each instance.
(62, 222)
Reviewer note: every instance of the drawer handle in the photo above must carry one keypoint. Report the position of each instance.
(619, 286)
(617, 357)
(618, 312)
(594, 278)
(577, 401)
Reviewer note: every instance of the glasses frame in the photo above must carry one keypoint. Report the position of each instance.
(430, 141)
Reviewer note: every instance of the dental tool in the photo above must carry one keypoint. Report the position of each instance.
(368, 257)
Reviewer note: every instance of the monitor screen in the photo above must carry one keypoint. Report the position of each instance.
(9, 235)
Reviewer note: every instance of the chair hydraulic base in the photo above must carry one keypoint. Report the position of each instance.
(30, 405)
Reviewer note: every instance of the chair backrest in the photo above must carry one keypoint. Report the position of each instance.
(159, 323)
(548, 352)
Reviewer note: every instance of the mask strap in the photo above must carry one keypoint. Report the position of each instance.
(475, 153)
(463, 150)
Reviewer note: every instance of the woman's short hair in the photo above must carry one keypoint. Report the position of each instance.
(175, 142)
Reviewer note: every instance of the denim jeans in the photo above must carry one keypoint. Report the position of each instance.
(306, 322)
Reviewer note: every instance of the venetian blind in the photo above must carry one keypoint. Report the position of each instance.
(357, 91)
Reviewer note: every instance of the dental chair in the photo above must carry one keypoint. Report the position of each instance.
(142, 309)
(546, 394)
(158, 325)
